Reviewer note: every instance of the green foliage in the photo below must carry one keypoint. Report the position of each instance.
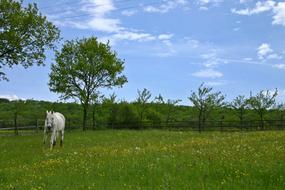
(82, 67)
(142, 100)
(109, 112)
(154, 117)
(205, 101)
(261, 102)
(240, 104)
(4, 100)
(128, 115)
(24, 35)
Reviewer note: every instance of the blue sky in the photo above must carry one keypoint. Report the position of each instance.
(171, 46)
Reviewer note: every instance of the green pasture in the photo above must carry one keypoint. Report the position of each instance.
(147, 159)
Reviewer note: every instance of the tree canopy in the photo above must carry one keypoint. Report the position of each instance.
(25, 34)
(82, 68)
(204, 101)
(261, 102)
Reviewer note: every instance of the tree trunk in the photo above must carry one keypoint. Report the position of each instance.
(85, 108)
(200, 119)
(262, 123)
(141, 117)
(16, 124)
(241, 120)
(203, 120)
(93, 118)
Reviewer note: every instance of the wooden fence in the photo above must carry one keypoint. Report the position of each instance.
(223, 126)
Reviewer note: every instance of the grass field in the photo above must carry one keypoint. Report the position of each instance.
(148, 159)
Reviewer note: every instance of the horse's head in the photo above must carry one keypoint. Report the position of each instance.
(49, 120)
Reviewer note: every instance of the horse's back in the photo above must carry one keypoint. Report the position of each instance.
(61, 119)
(61, 115)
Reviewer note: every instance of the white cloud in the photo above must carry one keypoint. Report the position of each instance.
(98, 18)
(264, 50)
(203, 8)
(212, 59)
(279, 66)
(165, 7)
(204, 4)
(208, 73)
(236, 29)
(133, 36)
(215, 83)
(165, 36)
(244, 1)
(105, 24)
(259, 8)
(247, 59)
(129, 12)
(168, 50)
(274, 56)
(98, 8)
(278, 10)
(279, 14)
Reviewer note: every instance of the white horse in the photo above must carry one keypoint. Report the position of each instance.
(54, 122)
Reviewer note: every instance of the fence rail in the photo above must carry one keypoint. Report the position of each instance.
(248, 125)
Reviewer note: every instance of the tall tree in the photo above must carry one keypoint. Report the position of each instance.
(96, 99)
(82, 68)
(204, 100)
(239, 104)
(18, 106)
(24, 35)
(142, 100)
(261, 102)
(111, 104)
(171, 109)
(159, 99)
(170, 106)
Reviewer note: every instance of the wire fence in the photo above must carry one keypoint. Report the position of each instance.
(29, 126)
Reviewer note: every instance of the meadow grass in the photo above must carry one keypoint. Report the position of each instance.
(149, 159)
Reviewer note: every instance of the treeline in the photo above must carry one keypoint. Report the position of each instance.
(208, 107)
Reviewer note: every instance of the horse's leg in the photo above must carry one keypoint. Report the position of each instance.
(53, 139)
(62, 137)
(45, 136)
